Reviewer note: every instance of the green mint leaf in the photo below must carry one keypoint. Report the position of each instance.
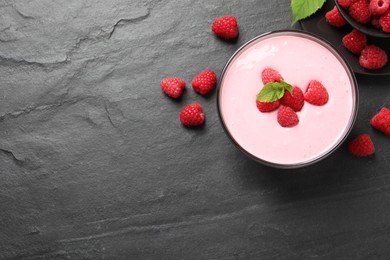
(302, 9)
(287, 86)
(271, 92)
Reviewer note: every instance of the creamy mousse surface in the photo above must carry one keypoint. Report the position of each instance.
(299, 60)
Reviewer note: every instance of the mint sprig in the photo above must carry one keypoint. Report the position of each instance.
(273, 91)
(302, 9)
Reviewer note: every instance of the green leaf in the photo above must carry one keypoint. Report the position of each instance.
(302, 9)
(287, 86)
(273, 91)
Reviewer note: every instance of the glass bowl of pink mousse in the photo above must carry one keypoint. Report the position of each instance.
(299, 57)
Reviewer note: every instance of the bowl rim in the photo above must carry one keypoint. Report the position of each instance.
(364, 28)
(352, 119)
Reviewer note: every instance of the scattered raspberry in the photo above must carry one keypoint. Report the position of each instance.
(345, 3)
(173, 87)
(204, 82)
(379, 7)
(361, 146)
(295, 101)
(360, 11)
(355, 41)
(287, 117)
(267, 106)
(316, 93)
(384, 21)
(335, 18)
(192, 115)
(372, 57)
(270, 75)
(225, 27)
(381, 121)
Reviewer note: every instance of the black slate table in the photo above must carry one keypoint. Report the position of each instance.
(94, 163)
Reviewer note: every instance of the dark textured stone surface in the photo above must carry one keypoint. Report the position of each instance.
(95, 164)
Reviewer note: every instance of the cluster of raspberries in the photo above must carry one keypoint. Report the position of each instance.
(371, 57)
(376, 12)
(291, 103)
(192, 115)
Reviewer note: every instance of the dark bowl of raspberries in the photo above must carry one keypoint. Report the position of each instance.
(364, 48)
(371, 17)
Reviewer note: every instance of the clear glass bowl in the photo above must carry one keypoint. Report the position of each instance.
(299, 57)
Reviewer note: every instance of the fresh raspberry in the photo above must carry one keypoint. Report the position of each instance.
(316, 93)
(345, 3)
(204, 82)
(270, 75)
(360, 11)
(355, 41)
(361, 146)
(173, 87)
(372, 57)
(381, 121)
(225, 27)
(287, 117)
(295, 101)
(192, 115)
(335, 18)
(267, 106)
(379, 7)
(384, 21)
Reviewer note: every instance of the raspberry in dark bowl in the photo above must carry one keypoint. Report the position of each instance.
(359, 14)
